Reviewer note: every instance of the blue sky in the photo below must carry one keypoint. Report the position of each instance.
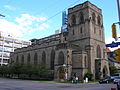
(27, 18)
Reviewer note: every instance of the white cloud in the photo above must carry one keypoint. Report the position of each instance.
(31, 23)
(9, 7)
(23, 25)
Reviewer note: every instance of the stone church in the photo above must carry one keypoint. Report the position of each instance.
(79, 50)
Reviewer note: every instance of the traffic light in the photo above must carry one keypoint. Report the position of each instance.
(114, 33)
(117, 57)
(1, 36)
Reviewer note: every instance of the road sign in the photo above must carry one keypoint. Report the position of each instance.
(113, 44)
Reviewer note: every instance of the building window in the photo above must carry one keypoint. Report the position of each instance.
(35, 59)
(100, 32)
(103, 53)
(73, 32)
(61, 58)
(93, 17)
(44, 58)
(17, 59)
(73, 19)
(81, 30)
(22, 60)
(28, 59)
(85, 58)
(98, 20)
(52, 59)
(98, 51)
(81, 17)
(94, 30)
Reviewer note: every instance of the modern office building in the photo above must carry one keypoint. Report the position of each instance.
(7, 45)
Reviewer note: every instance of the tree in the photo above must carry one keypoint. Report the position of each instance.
(113, 70)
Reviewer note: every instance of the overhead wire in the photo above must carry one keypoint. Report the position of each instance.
(59, 12)
(6, 9)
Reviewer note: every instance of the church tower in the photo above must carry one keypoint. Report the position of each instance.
(85, 27)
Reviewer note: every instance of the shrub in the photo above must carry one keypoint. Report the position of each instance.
(89, 75)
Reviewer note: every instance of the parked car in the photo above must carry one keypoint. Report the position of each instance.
(117, 74)
(118, 85)
(116, 80)
(109, 79)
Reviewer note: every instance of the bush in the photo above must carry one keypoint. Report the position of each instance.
(89, 75)
(113, 70)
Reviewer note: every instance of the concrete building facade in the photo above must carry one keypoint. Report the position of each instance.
(7, 45)
(79, 50)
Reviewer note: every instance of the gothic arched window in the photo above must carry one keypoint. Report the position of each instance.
(98, 20)
(73, 18)
(81, 17)
(22, 60)
(81, 30)
(93, 17)
(44, 58)
(28, 59)
(61, 58)
(98, 51)
(52, 59)
(85, 58)
(35, 59)
(17, 59)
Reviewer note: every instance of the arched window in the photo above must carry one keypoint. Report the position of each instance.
(17, 59)
(35, 59)
(94, 29)
(73, 32)
(73, 18)
(85, 58)
(81, 30)
(103, 53)
(98, 20)
(61, 58)
(81, 17)
(52, 59)
(22, 60)
(100, 32)
(98, 51)
(93, 17)
(28, 59)
(44, 58)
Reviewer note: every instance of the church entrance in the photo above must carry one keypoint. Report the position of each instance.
(105, 72)
(61, 73)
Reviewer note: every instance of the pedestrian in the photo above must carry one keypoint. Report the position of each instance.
(76, 79)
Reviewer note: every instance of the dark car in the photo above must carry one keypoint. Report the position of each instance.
(116, 80)
(109, 79)
(118, 85)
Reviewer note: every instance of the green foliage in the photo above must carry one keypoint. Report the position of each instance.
(113, 70)
(24, 69)
(89, 75)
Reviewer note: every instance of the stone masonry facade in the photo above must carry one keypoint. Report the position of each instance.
(80, 50)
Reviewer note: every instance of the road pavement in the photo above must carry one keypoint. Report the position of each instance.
(12, 84)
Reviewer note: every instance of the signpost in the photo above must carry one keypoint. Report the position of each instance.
(113, 44)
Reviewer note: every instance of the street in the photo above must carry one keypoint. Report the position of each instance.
(12, 84)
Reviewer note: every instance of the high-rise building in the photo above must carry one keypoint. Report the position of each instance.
(7, 45)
